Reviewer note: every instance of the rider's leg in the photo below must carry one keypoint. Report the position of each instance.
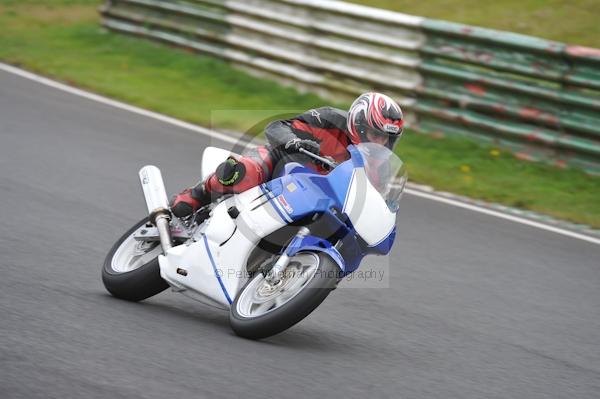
(235, 175)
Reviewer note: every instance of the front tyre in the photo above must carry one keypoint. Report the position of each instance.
(262, 309)
(131, 270)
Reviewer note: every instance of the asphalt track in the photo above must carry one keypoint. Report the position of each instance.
(475, 306)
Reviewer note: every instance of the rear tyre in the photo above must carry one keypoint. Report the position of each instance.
(261, 309)
(131, 270)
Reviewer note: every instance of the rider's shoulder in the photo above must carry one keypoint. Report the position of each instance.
(329, 116)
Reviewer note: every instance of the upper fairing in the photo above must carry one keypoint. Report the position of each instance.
(347, 188)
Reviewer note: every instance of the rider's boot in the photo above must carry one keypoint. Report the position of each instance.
(185, 203)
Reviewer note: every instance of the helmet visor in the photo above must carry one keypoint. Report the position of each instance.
(373, 135)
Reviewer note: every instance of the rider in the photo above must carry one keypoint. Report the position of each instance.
(325, 131)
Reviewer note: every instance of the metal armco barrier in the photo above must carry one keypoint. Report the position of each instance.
(539, 98)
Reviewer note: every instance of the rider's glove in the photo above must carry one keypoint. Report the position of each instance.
(294, 146)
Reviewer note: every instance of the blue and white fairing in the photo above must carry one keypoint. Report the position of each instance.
(359, 197)
(356, 202)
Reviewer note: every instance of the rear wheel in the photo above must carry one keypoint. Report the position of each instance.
(131, 268)
(262, 309)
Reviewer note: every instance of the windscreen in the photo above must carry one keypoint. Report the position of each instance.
(385, 171)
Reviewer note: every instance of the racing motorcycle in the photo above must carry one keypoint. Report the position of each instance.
(271, 254)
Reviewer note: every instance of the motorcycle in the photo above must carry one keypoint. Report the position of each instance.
(271, 254)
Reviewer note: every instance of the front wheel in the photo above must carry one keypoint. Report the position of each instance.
(262, 309)
(131, 268)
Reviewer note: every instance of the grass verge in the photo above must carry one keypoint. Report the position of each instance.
(570, 21)
(63, 40)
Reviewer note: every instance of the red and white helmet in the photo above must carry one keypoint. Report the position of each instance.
(377, 115)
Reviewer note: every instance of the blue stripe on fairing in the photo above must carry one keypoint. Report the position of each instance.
(212, 262)
(272, 200)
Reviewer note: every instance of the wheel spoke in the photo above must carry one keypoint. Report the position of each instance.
(132, 254)
(283, 298)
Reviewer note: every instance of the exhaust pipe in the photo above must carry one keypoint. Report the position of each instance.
(157, 203)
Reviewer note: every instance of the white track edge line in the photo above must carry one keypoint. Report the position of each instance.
(502, 215)
(234, 140)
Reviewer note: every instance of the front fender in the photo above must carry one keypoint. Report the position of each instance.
(317, 244)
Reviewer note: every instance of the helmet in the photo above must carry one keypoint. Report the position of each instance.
(375, 114)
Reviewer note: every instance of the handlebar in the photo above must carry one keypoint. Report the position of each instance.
(323, 160)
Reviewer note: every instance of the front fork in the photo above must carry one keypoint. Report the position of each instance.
(276, 273)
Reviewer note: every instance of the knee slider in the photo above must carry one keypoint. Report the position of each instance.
(230, 172)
